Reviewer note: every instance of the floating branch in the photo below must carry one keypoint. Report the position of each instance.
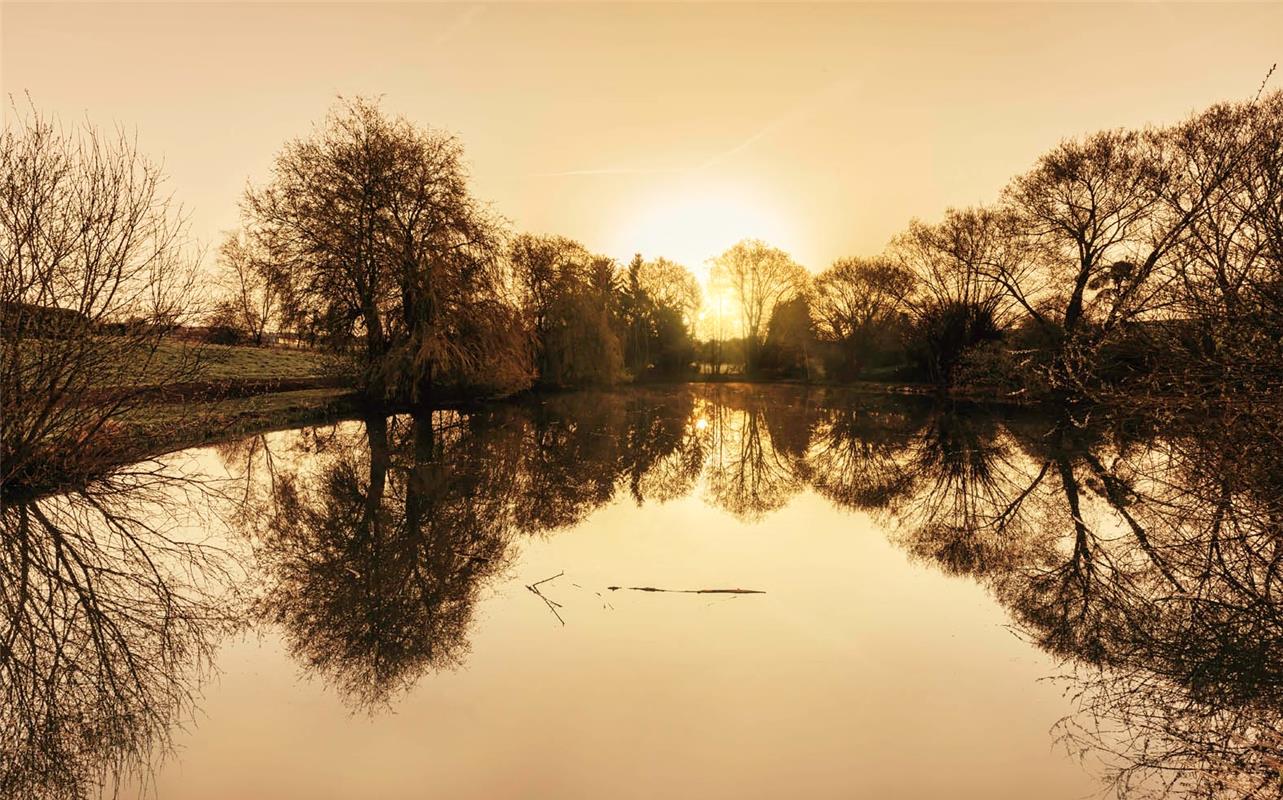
(552, 604)
(545, 580)
(684, 591)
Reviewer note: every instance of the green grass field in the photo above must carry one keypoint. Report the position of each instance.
(236, 362)
(216, 363)
(149, 431)
(233, 414)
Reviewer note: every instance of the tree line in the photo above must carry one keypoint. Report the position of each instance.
(1123, 264)
(1122, 261)
(368, 238)
(365, 239)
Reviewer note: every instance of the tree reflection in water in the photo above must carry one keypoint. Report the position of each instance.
(1146, 557)
(757, 449)
(110, 612)
(1149, 563)
(375, 561)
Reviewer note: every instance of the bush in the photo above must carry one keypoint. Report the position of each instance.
(943, 334)
(224, 334)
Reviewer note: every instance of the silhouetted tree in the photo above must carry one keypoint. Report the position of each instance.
(760, 277)
(790, 340)
(955, 305)
(1226, 165)
(672, 286)
(1106, 219)
(95, 270)
(857, 305)
(378, 235)
(658, 301)
(567, 297)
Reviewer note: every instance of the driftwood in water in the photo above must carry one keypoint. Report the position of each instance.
(552, 604)
(685, 591)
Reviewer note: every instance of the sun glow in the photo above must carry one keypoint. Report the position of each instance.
(691, 222)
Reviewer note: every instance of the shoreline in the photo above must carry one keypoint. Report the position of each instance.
(238, 410)
(210, 413)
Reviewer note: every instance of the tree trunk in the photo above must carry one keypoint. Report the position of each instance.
(376, 349)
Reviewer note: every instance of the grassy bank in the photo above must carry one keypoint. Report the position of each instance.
(236, 390)
(241, 363)
(167, 427)
(206, 362)
(243, 390)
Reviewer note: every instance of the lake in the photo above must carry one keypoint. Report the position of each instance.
(696, 591)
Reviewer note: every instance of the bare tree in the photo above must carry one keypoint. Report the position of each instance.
(250, 285)
(671, 285)
(956, 303)
(96, 270)
(855, 293)
(1226, 164)
(953, 261)
(1090, 206)
(1128, 226)
(761, 277)
(856, 303)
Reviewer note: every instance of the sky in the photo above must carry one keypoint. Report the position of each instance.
(667, 129)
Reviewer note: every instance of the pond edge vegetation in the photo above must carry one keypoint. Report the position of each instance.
(1127, 267)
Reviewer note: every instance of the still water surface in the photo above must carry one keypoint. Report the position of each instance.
(946, 602)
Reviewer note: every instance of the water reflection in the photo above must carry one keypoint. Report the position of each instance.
(373, 562)
(757, 458)
(1147, 557)
(1150, 564)
(110, 614)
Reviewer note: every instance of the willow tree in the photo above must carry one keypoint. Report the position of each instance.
(567, 296)
(760, 277)
(380, 236)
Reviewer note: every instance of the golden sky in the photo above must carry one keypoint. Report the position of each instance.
(671, 129)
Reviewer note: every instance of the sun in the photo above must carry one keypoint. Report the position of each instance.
(691, 221)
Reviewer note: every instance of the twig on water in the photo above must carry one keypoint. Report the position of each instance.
(552, 605)
(684, 591)
(545, 580)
